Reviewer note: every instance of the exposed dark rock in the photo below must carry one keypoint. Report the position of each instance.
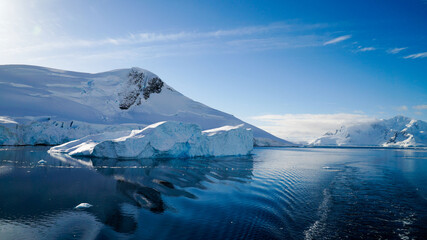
(131, 94)
(137, 84)
(153, 86)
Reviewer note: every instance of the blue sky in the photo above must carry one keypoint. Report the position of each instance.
(277, 64)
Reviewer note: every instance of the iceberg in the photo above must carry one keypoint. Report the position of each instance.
(168, 139)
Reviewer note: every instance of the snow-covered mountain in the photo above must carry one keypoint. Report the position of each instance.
(63, 102)
(398, 131)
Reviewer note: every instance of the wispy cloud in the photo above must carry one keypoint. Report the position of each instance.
(420, 107)
(402, 108)
(276, 42)
(337, 40)
(306, 127)
(156, 37)
(366, 49)
(395, 50)
(416, 55)
(264, 37)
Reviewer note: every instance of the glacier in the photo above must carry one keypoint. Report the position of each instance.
(38, 105)
(47, 131)
(399, 132)
(168, 139)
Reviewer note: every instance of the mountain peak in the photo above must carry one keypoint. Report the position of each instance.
(400, 118)
(399, 131)
(121, 96)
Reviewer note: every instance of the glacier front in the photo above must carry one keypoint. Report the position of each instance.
(163, 140)
(48, 131)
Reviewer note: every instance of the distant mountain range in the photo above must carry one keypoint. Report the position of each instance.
(41, 105)
(398, 131)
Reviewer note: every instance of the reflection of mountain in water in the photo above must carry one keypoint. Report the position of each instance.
(116, 188)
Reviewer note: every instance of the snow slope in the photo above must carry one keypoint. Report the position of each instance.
(121, 96)
(163, 139)
(398, 131)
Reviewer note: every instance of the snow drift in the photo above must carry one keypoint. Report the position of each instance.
(163, 139)
(122, 96)
(395, 132)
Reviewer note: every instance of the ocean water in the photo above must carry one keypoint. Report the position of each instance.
(276, 193)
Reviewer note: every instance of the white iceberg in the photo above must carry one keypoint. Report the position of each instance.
(163, 139)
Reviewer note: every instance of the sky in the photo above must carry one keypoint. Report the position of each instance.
(294, 68)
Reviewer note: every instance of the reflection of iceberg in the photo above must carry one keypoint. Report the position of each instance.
(163, 139)
(143, 196)
(172, 176)
(145, 181)
(120, 191)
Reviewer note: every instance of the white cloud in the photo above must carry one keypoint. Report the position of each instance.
(420, 107)
(416, 55)
(306, 127)
(366, 49)
(402, 108)
(395, 50)
(337, 40)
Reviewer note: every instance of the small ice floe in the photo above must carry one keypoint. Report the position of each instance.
(42, 162)
(83, 206)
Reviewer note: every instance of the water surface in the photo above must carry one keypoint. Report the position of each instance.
(276, 193)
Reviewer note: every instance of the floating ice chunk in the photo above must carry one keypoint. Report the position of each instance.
(163, 139)
(83, 206)
(42, 162)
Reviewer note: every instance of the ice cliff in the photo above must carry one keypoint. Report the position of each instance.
(47, 131)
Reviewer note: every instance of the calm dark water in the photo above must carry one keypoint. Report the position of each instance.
(277, 193)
